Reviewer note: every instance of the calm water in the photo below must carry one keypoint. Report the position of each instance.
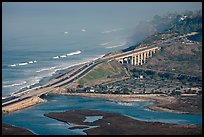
(34, 120)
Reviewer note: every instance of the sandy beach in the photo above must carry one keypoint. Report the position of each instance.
(22, 104)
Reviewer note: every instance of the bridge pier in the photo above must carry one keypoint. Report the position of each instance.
(121, 60)
(133, 60)
(138, 58)
(145, 56)
(142, 59)
(150, 53)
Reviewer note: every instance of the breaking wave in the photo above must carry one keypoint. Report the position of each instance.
(83, 30)
(45, 69)
(23, 63)
(104, 44)
(83, 62)
(56, 57)
(74, 53)
(69, 54)
(115, 46)
(36, 81)
(15, 84)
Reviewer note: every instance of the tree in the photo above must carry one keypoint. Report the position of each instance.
(174, 92)
(79, 86)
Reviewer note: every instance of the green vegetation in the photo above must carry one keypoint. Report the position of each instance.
(181, 55)
(102, 71)
(173, 70)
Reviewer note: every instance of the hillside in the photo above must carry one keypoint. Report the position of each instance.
(181, 47)
(101, 73)
(177, 23)
(179, 62)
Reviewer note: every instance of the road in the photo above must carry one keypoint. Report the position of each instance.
(62, 80)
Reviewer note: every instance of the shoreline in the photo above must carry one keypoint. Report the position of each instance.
(160, 102)
(125, 98)
(46, 79)
(8, 129)
(157, 100)
(42, 81)
(27, 103)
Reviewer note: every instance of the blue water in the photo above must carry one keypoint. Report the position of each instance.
(33, 119)
(36, 32)
(92, 118)
(42, 48)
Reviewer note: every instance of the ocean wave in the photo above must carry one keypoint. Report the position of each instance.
(112, 30)
(56, 57)
(31, 82)
(42, 70)
(15, 84)
(63, 56)
(23, 63)
(115, 46)
(30, 62)
(4, 97)
(110, 47)
(45, 69)
(104, 44)
(69, 54)
(36, 80)
(74, 53)
(83, 62)
(53, 67)
(66, 32)
(13, 65)
(83, 30)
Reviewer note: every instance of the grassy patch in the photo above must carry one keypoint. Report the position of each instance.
(102, 71)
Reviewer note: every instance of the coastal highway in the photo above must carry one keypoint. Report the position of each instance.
(62, 80)
(53, 84)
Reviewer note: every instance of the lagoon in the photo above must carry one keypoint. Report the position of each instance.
(34, 119)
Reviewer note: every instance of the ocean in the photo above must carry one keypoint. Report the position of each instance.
(39, 39)
(42, 39)
(27, 60)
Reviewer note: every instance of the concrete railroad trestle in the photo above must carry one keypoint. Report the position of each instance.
(32, 96)
(137, 58)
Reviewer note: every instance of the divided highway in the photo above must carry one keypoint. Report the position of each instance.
(61, 80)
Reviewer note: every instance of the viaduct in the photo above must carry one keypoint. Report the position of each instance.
(138, 56)
(32, 96)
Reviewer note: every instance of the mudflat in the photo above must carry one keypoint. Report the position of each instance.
(117, 124)
(12, 130)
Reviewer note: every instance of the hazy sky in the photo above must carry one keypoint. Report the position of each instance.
(35, 17)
